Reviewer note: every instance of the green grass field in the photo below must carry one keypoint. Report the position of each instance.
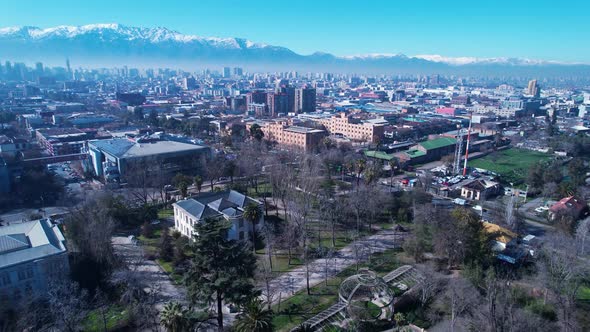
(512, 164)
(584, 293)
(116, 318)
(165, 213)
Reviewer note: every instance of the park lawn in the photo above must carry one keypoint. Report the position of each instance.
(263, 187)
(151, 245)
(341, 241)
(584, 293)
(302, 306)
(280, 261)
(169, 269)
(385, 225)
(165, 213)
(511, 164)
(117, 318)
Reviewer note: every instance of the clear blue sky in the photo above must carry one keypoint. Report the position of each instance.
(538, 29)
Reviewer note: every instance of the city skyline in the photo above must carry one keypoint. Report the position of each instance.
(461, 29)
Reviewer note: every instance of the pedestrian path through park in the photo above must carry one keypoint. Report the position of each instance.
(289, 283)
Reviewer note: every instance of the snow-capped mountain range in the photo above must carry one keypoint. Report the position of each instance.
(112, 31)
(109, 44)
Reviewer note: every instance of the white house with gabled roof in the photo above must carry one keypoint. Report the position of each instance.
(228, 204)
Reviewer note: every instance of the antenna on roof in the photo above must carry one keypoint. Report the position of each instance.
(468, 141)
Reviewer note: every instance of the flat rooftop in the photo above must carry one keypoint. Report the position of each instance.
(303, 130)
(125, 148)
(61, 132)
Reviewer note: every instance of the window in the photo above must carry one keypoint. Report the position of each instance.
(28, 288)
(241, 224)
(22, 275)
(241, 235)
(29, 272)
(5, 279)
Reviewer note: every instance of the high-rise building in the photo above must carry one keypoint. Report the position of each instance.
(226, 72)
(533, 89)
(69, 68)
(308, 100)
(238, 71)
(189, 83)
(257, 98)
(289, 91)
(277, 103)
(39, 68)
(270, 103)
(298, 100)
(238, 103)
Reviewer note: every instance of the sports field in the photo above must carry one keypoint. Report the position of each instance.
(512, 164)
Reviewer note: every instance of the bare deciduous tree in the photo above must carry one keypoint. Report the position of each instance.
(67, 304)
(461, 296)
(90, 228)
(265, 275)
(564, 274)
(582, 233)
(429, 285)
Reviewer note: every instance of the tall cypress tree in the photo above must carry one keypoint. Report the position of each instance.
(221, 270)
(166, 247)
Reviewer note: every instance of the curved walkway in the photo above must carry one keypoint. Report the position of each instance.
(289, 283)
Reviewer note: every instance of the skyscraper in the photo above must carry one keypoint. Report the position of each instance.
(68, 67)
(308, 100)
(533, 89)
(226, 72)
(298, 100)
(289, 92)
(39, 68)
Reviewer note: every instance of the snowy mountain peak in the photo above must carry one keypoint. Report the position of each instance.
(114, 44)
(459, 61)
(118, 31)
(374, 56)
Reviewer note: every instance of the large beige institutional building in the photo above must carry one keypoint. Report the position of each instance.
(292, 136)
(353, 128)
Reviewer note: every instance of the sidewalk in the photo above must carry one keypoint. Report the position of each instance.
(293, 281)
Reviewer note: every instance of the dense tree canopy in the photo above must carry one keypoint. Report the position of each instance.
(221, 270)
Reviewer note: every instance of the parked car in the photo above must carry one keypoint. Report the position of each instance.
(541, 209)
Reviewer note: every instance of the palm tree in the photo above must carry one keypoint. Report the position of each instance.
(370, 175)
(198, 181)
(254, 317)
(174, 317)
(252, 213)
(360, 168)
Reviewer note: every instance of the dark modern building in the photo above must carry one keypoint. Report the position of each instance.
(131, 99)
(308, 100)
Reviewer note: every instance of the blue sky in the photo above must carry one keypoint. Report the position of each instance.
(538, 29)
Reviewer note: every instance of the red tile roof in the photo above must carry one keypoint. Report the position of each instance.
(567, 203)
